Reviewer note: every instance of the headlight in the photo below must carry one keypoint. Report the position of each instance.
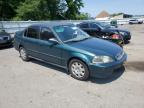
(102, 59)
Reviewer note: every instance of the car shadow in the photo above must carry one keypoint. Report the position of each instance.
(47, 65)
(126, 42)
(137, 66)
(111, 78)
(6, 47)
(117, 74)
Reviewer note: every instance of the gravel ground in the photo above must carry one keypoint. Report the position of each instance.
(38, 85)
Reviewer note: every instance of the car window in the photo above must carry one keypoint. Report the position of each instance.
(46, 34)
(84, 25)
(92, 25)
(133, 20)
(69, 33)
(32, 32)
(25, 32)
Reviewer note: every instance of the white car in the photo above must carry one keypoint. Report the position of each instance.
(135, 21)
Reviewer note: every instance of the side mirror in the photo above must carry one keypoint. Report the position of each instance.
(54, 41)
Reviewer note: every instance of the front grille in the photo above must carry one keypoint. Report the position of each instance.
(5, 38)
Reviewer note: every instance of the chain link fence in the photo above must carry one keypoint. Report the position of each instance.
(13, 26)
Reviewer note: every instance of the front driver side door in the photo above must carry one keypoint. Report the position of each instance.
(50, 51)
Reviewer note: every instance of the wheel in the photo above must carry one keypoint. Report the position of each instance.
(23, 54)
(78, 70)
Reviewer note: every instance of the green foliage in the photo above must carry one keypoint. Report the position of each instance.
(41, 9)
(116, 14)
(83, 16)
(73, 8)
(31, 10)
(7, 8)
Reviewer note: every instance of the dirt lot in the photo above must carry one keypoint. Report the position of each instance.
(38, 85)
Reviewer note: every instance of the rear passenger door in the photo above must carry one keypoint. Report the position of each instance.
(31, 40)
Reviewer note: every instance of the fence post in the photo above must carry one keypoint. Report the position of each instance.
(1, 25)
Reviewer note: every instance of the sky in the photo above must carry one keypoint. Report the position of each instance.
(94, 7)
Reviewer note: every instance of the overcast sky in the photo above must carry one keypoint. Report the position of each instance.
(94, 7)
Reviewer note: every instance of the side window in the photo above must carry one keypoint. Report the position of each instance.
(46, 34)
(33, 32)
(92, 25)
(84, 25)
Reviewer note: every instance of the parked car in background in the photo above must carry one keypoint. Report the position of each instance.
(67, 46)
(5, 39)
(114, 23)
(96, 30)
(135, 21)
(105, 31)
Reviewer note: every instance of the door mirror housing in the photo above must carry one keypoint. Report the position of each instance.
(54, 41)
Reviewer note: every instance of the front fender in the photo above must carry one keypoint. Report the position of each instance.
(85, 58)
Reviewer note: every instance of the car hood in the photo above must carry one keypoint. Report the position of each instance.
(97, 46)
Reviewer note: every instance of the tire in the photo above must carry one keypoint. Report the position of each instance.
(78, 70)
(23, 54)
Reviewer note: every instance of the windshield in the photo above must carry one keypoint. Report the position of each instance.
(68, 33)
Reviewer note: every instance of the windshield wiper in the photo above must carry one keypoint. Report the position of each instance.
(76, 40)
(72, 40)
(86, 38)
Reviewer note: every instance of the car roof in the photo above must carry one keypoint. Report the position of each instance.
(52, 24)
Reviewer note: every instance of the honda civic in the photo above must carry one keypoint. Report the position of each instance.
(67, 46)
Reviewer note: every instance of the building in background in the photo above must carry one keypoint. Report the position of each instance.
(103, 16)
(121, 16)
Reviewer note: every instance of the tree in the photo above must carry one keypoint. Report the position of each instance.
(32, 10)
(73, 7)
(7, 8)
(116, 14)
(83, 16)
(40, 9)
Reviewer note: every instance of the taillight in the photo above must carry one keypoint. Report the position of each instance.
(115, 36)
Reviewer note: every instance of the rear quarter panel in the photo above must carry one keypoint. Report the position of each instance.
(17, 39)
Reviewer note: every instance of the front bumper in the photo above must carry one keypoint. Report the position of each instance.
(127, 37)
(105, 70)
(6, 43)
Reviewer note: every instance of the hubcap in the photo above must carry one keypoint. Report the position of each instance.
(78, 69)
(23, 53)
